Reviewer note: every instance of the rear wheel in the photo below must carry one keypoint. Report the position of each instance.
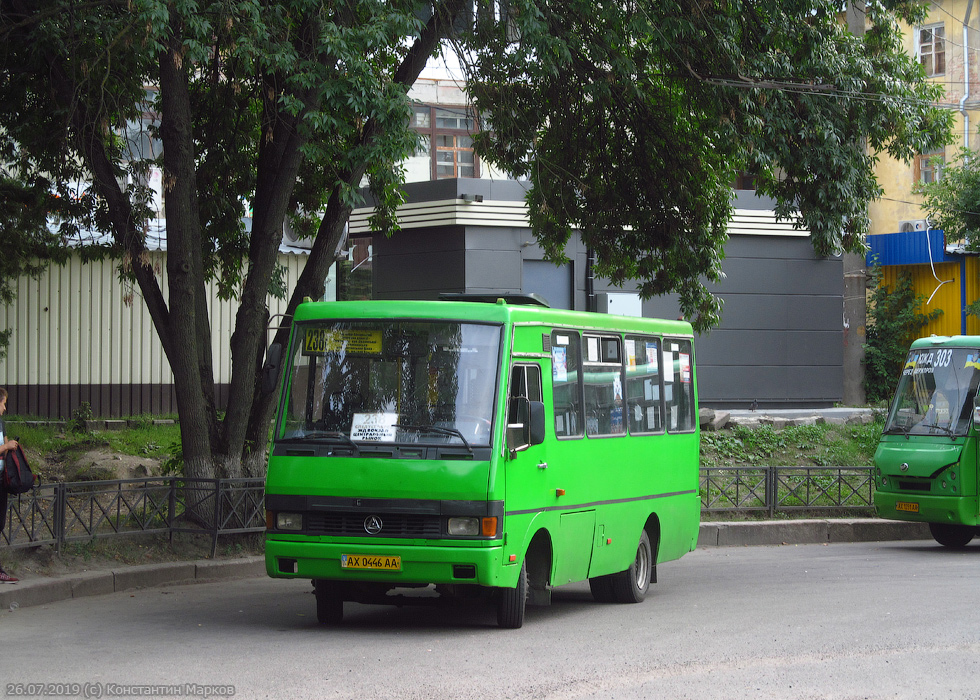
(329, 603)
(952, 536)
(512, 602)
(631, 586)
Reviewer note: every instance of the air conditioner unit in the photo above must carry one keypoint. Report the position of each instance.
(912, 225)
(290, 237)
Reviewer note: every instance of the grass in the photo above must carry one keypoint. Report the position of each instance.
(796, 446)
(808, 445)
(145, 439)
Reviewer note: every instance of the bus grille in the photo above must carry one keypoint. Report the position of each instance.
(915, 485)
(394, 525)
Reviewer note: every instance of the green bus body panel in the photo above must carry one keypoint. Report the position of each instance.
(452, 480)
(955, 510)
(924, 456)
(591, 501)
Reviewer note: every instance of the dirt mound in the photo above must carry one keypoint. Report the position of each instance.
(94, 464)
(104, 464)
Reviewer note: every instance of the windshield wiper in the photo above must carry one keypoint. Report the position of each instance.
(439, 430)
(948, 431)
(329, 436)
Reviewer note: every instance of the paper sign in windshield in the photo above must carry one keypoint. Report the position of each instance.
(373, 427)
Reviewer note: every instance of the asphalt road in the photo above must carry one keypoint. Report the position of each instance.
(865, 620)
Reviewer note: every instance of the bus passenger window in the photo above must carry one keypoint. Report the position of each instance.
(603, 379)
(644, 393)
(679, 384)
(566, 368)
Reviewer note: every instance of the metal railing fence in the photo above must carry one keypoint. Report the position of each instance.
(775, 489)
(59, 513)
(63, 512)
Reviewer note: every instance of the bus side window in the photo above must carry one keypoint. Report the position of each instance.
(602, 374)
(566, 377)
(644, 380)
(679, 384)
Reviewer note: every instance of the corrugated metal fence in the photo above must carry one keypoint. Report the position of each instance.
(79, 334)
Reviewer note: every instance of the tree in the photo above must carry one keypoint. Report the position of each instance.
(631, 120)
(630, 117)
(895, 319)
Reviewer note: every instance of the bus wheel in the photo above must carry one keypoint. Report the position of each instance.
(631, 586)
(512, 602)
(329, 604)
(953, 536)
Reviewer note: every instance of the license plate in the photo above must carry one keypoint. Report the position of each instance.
(370, 561)
(907, 507)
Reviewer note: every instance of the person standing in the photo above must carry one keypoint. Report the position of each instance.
(5, 446)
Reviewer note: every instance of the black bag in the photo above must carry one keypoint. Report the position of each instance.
(17, 475)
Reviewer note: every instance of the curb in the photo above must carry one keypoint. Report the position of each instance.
(40, 591)
(745, 534)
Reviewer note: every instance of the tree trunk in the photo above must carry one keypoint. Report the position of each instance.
(189, 327)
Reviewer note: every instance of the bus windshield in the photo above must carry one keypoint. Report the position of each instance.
(935, 393)
(392, 381)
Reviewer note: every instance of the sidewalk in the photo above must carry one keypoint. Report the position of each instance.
(43, 590)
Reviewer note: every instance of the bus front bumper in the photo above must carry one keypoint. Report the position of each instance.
(961, 510)
(416, 564)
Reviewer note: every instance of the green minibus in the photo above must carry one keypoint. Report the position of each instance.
(926, 461)
(492, 448)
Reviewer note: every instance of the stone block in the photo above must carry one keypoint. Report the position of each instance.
(770, 533)
(216, 569)
(708, 535)
(91, 583)
(34, 592)
(875, 530)
(152, 575)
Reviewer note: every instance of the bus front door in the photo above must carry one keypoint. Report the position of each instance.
(536, 491)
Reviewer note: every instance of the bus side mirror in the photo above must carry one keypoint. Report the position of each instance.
(525, 426)
(271, 368)
(976, 411)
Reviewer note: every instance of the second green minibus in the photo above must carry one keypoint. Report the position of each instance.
(926, 461)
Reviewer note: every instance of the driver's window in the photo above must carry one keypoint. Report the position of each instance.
(525, 383)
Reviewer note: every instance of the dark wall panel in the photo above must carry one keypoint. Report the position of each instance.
(59, 402)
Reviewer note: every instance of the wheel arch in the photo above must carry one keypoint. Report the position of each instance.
(652, 527)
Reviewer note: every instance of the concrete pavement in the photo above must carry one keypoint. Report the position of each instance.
(42, 590)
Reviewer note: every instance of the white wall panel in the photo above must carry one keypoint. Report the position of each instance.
(79, 325)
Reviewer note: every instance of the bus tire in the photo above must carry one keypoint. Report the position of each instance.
(952, 536)
(512, 602)
(329, 605)
(631, 586)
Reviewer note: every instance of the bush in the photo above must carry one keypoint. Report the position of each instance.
(894, 321)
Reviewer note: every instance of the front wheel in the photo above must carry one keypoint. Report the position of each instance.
(952, 536)
(512, 602)
(631, 586)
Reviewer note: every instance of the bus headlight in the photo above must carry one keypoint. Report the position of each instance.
(464, 526)
(289, 521)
